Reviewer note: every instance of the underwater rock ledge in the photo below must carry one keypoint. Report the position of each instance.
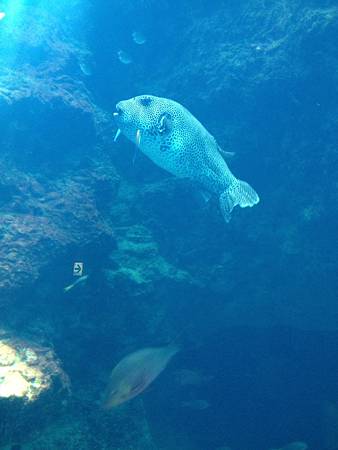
(40, 221)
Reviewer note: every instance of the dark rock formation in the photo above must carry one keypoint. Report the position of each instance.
(51, 199)
(41, 220)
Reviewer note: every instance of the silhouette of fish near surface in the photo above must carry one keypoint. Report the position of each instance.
(135, 372)
(175, 140)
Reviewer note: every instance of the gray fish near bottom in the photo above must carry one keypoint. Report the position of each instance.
(135, 372)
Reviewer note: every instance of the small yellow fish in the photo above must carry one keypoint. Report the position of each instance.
(80, 280)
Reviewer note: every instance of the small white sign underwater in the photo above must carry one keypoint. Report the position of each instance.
(78, 269)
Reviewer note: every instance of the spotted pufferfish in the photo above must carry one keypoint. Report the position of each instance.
(175, 140)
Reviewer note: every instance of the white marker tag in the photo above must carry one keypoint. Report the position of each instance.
(78, 269)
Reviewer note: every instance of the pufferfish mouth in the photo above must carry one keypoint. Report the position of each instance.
(119, 120)
(118, 112)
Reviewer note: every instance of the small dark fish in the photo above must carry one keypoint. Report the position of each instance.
(135, 372)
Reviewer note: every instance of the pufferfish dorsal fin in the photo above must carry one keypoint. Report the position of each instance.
(164, 123)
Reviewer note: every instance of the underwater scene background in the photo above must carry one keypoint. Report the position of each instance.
(251, 305)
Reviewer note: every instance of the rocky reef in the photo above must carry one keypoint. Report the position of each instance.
(41, 220)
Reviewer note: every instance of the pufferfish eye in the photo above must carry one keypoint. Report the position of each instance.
(145, 101)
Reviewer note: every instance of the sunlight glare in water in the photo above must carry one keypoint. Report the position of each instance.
(2, 15)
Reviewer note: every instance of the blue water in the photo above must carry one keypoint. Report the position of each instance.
(251, 304)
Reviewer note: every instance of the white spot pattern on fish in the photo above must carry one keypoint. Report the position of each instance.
(176, 141)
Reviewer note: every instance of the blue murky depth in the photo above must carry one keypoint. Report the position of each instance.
(250, 304)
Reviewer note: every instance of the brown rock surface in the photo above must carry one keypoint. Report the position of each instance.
(39, 221)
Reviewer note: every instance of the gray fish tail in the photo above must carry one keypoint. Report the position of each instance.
(238, 193)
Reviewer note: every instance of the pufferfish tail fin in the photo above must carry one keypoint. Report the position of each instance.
(238, 193)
